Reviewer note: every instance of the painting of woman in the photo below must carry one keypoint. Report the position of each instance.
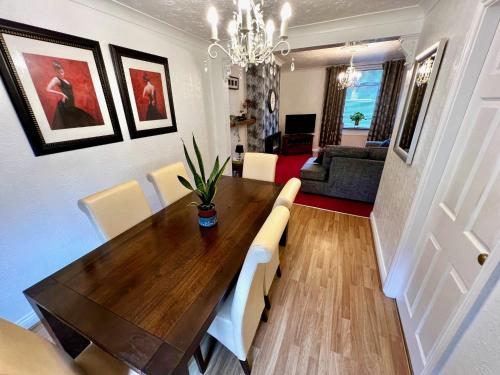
(66, 114)
(149, 93)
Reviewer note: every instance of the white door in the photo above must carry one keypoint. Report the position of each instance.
(463, 224)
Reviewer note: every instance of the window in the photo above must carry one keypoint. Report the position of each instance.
(363, 98)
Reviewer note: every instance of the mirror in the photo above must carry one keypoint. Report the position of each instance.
(425, 71)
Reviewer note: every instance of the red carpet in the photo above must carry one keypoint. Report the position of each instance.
(289, 166)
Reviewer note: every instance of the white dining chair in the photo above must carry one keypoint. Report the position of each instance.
(114, 210)
(288, 193)
(238, 318)
(259, 166)
(166, 183)
(23, 352)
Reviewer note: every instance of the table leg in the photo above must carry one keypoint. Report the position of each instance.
(68, 339)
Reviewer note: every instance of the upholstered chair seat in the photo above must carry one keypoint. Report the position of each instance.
(166, 183)
(114, 210)
(24, 353)
(238, 318)
(259, 166)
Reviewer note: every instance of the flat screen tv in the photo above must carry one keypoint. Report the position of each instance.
(297, 124)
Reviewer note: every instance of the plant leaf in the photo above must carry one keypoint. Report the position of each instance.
(215, 181)
(200, 159)
(215, 170)
(185, 182)
(200, 185)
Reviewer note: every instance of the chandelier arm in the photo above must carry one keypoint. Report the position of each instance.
(283, 52)
(214, 54)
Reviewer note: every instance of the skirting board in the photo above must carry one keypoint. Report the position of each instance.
(378, 248)
(28, 321)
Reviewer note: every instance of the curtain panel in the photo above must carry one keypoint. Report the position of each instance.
(387, 101)
(333, 108)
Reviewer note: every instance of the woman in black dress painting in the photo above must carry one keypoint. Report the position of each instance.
(66, 114)
(149, 92)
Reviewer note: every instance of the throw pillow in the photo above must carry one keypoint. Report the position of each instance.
(319, 159)
(386, 143)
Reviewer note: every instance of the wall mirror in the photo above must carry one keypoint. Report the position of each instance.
(425, 72)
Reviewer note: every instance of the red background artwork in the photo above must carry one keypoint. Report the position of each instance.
(75, 72)
(138, 84)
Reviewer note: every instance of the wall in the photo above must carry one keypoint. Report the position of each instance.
(447, 19)
(259, 81)
(41, 228)
(352, 137)
(236, 98)
(302, 91)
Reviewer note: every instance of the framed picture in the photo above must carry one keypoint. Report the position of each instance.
(424, 76)
(58, 86)
(144, 82)
(233, 83)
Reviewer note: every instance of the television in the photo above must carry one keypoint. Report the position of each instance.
(300, 124)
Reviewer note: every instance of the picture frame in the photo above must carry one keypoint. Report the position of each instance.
(417, 100)
(233, 83)
(59, 88)
(145, 90)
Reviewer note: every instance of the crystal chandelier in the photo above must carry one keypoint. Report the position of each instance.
(349, 78)
(424, 71)
(251, 41)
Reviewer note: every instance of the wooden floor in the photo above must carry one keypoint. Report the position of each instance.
(328, 315)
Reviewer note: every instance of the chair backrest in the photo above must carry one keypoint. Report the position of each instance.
(259, 166)
(288, 193)
(114, 210)
(23, 352)
(166, 184)
(248, 302)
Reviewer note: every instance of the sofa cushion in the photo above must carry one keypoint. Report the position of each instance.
(313, 171)
(349, 152)
(377, 153)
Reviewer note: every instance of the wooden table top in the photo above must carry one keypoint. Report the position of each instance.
(148, 295)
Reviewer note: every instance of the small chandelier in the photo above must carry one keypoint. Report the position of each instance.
(424, 72)
(251, 41)
(349, 78)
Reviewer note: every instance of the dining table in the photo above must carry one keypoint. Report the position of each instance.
(148, 296)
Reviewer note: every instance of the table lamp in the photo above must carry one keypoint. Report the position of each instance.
(239, 150)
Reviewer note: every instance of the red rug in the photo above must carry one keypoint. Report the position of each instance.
(289, 166)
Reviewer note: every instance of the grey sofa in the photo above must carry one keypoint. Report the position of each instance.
(345, 172)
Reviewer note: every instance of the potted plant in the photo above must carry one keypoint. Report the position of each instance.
(205, 189)
(357, 117)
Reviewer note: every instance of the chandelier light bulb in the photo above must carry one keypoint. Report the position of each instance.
(244, 4)
(286, 11)
(269, 32)
(213, 18)
(292, 65)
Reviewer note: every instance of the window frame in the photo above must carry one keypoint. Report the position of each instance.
(363, 68)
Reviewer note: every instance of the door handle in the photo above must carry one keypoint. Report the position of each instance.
(481, 258)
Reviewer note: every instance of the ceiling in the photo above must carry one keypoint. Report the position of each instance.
(190, 15)
(373, 53)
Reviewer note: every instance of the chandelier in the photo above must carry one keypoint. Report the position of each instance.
(251, 41)
(424, 71)
(349, 78)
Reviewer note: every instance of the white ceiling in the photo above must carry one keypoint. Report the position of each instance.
(373, 53)
(190, 15)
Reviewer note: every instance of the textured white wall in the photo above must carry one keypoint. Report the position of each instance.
(448, 19)
(41, 228)
(477, 351)
(302, 92)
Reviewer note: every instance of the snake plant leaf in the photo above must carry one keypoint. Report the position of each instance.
(197, 179)
(185, 182)
(213, 185)
(200, 160)
(215, 170)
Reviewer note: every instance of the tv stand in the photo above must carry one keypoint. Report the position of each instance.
(297, 144)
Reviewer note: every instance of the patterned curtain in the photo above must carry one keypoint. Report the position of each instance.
(333, 108)
(387, 101)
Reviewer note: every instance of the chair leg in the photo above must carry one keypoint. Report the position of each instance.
(278, 271)
(284, 236)
(267, 302)
(246, 367)
(263, 317)
(198, 357)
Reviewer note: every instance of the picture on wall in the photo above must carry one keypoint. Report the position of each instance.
(57, 83)
(146, 92)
